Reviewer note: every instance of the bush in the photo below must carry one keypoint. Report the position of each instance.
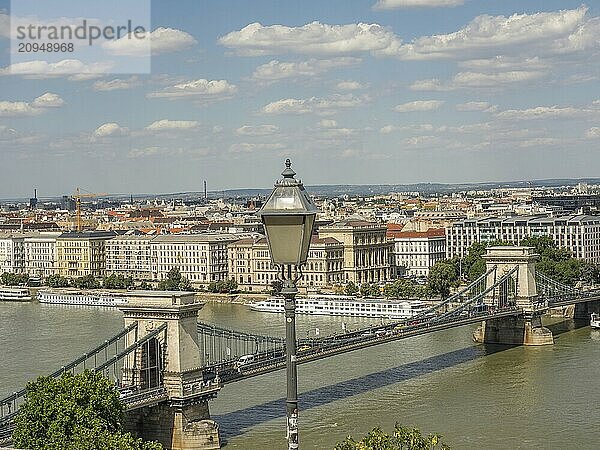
(74, 412)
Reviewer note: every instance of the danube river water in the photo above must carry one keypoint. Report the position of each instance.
(478, 397)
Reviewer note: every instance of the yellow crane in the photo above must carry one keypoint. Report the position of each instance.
(78, 196)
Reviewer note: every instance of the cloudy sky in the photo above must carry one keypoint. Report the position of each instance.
(378, 91)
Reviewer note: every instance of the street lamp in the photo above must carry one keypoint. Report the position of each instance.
(288, 216)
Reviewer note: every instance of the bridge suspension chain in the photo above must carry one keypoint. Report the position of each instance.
(219, 344)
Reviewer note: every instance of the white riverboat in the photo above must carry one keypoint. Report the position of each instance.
(14, 294)
(341, 305)
(595, 321)
(84, 298)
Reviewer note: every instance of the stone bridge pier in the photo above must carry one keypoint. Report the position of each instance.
(170, 366)
(523, 329)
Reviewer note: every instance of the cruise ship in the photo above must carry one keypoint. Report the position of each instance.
(12, 294)
(340, 305)
(84, 298)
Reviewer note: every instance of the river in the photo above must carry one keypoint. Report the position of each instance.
(477, 397)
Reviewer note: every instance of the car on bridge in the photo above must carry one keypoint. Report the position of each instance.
(243, 361)
(304, 348)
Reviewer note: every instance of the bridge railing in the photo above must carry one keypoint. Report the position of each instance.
(10, 404)
(221, 345)
(110, 358)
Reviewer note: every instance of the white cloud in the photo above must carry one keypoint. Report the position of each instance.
(110, 129)
(15, 109)
(502, 63)
(327, 123)
(419, 128)
(116, 84)
(465, 80)
(201, 90)
(162, 40)
(257, 130)
(37, 106)
(276, 70)
(7, 132)
(593, 133)
(149, 151)
(476, 79)
(396, 4)
(170, 125)
(48, 100)
(433, 84)
(313, 38)
(73, 68)
(476, 106)
(419, 105)
(349, 86)
(316, 105)
(547, 112)
(547, 32)
(250, 147)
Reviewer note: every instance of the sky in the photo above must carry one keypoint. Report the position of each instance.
(353, 92)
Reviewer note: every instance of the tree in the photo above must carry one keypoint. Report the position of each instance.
(74, 412)
(57, 281)
(119, 281)
(351, 288)
(276, 286)
(442, 276)
(558, 263)
(86, 282)
(14, 279)
(175, 282)
(369, 290)
(144, 285)
(404, 438)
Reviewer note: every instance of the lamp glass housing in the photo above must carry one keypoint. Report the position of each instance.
(288, 216)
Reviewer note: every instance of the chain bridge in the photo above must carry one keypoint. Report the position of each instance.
(167, 366)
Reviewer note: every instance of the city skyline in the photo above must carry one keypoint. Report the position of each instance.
(373, 92)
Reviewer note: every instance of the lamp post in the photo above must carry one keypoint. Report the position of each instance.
(288, 216)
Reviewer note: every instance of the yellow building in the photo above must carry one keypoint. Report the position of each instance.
(367, 251)
(250, 265)
(82, 253)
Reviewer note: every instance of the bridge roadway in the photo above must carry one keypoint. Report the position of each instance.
(271, 361)
(229, 372)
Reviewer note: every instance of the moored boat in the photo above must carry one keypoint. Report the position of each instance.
(340, 305)
(84, 298)
(595, 321)
(14, 294)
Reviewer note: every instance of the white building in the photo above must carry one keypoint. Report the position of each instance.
(39, 250)
(415, 252)
(130, 256)
(201, 258)
(12, 258)
(578, 233)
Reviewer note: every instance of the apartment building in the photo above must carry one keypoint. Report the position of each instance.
(201, 258)
(12, 258)
(39, 249)
(130, 256)
(367, 252)
(81, 253)
(250, 264)
(578, 233)
(415, 252)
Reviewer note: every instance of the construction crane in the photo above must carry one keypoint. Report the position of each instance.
(78, 196)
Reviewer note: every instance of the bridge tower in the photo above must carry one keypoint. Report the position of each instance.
(526, 328)
(170, 369)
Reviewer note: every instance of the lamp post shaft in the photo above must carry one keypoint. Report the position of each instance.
(289, 292)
